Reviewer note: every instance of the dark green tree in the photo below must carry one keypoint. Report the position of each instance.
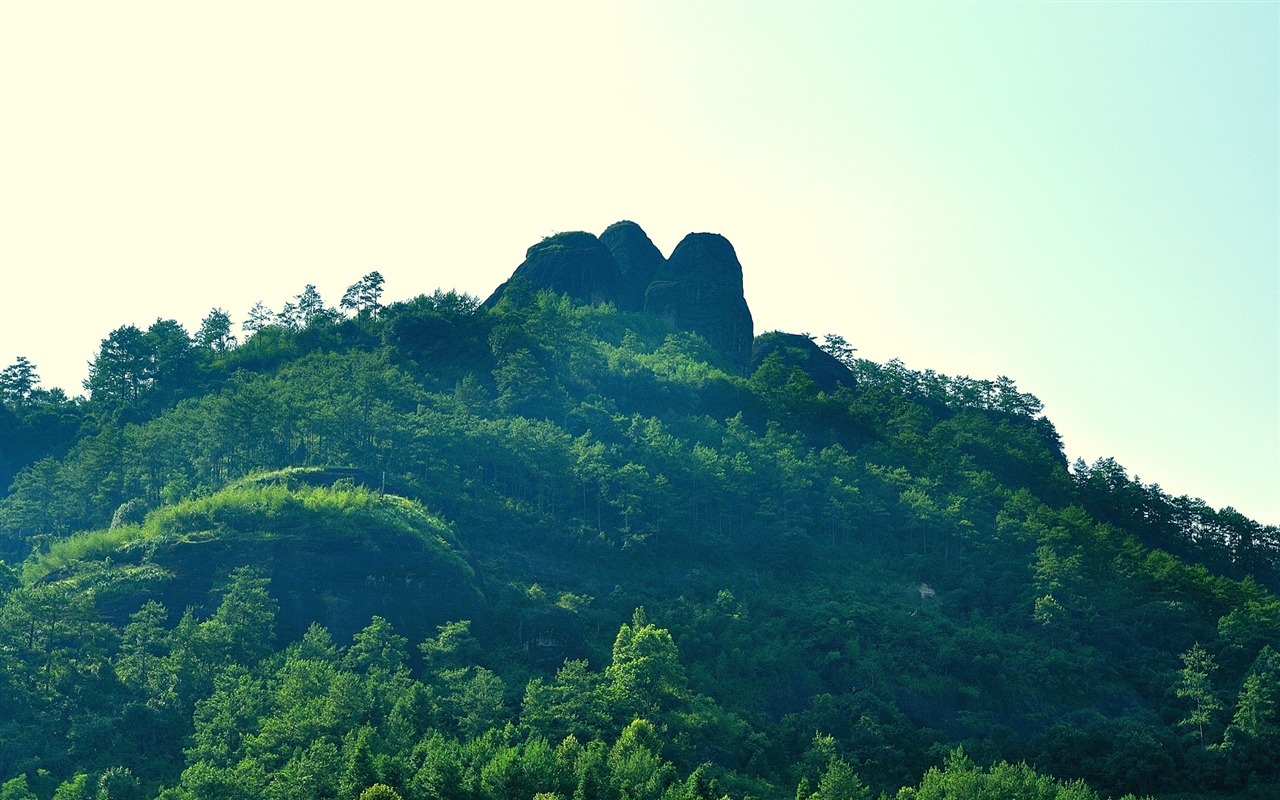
(122, 370)
(215, 332)
(838, 348)
(258, 318)
(17, 382)
(364, 297)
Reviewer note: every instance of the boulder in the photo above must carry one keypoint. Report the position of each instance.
(699, 289)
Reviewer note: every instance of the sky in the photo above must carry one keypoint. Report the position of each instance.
(1081, 196)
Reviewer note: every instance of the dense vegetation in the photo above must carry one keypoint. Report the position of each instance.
(682, 582)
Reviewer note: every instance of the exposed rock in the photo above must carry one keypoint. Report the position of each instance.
(335, 568)
(699, 289)
(800, 351)
(637, 257)
(551, 637)
(574, 263)
(338, 581)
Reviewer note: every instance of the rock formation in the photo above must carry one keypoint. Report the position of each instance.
(797, 350)
(575, 263)
(637, 257)
(699, 289)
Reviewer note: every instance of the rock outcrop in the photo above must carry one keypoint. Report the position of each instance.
(328, 563)
(575, 263)
(638, 259)
(796, 350)
(338, 581)
(699, 289)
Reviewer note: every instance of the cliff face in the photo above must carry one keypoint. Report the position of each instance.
(638, 259)
(699, 289)
(574, 263)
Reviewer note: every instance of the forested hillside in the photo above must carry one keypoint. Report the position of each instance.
(586, 541)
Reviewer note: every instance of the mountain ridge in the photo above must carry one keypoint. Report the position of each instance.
(799, 574)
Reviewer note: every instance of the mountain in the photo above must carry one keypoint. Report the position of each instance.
(593, 538)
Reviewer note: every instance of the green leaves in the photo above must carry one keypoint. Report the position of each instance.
(1197, 687)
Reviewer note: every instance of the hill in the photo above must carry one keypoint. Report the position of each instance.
(585, 540)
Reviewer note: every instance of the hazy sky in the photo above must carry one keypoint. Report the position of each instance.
(1082, 196)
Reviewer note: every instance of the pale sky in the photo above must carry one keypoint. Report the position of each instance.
(1082, 196)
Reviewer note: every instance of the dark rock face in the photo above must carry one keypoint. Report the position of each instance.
(699, 289)
(552, 637)
(575, 263)
(800, 351)
(336, 580)
(637, 257)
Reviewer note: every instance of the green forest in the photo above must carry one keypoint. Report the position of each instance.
(557, 546)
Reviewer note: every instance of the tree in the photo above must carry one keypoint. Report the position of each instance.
(143, 649)
(364, 296)
(242, 630)
(377, 650)
(453, 648)
(840, 782)
(118, 783)
(645, 676)
(309, 305)
(122, 369)
(1197, 687)
(170, 359)
(79, 787)
(130, 363)
(303, 310)
(838, 348)
(16, 789)
(523, 384)
(215, 332)
(17, 382)
(1252, 740)
(573, 704)
(258, 318)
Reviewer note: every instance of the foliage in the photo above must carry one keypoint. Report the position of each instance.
(694, 584)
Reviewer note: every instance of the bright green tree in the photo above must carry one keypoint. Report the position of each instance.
(1196, 685)
(1252, 740)
(645, 675)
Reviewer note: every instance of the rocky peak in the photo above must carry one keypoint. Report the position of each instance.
(637, 257)
(575, 263)
(699, 289)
